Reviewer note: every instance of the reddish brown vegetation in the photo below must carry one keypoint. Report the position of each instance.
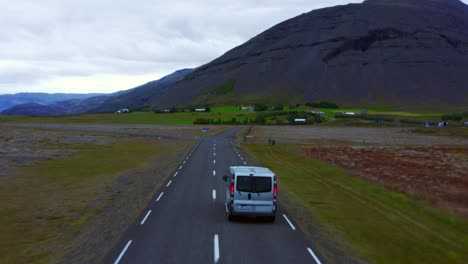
(438, 175)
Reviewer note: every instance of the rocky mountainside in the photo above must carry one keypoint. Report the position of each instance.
(405, 54)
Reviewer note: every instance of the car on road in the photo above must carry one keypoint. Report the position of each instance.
(251, 191)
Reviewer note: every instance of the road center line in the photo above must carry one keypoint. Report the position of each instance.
(214, 153)
(146, 216)
(245, 163)
(314, 256)
(289, 222)
(180, 167)
(214, 194)
(214, 173)
(169, 183)
(214, 161)
(216, 248)
(123, 252)
(175, 174)
(159, 197)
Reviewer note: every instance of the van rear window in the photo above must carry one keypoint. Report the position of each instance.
(253, 184)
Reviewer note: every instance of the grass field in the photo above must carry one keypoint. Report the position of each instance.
(379, 225)
(43, 205)
(224, 113)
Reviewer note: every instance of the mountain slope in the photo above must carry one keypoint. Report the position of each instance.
(143, 95)
(406, 54)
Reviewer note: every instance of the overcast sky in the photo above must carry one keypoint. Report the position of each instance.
(108, 45)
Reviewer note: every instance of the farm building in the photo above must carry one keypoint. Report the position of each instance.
(316, 112)
(123, 110)
(300, 120)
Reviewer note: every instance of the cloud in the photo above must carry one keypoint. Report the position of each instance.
(109, 45)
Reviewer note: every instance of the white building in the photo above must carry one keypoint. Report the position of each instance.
(300, 120)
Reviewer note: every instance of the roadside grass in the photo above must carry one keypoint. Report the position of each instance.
(379, 225)
(44, 204)
(384, 112)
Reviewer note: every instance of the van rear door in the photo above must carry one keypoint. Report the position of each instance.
(254, 193)
(263, 195)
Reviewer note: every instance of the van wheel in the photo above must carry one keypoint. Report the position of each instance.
(230, 217)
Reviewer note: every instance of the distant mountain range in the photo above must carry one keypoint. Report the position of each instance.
(59, 104)
(402, 54)
(9, 100)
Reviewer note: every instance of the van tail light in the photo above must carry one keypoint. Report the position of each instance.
(232, 190)
(275, 191)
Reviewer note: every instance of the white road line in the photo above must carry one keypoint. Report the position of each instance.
(123, 252)
(214, 161)
(214, 173)
(146, 216)
(180, 167)
(214, 153)
(289, 222)
(159, 197)
(216, 248)
(184, 162)
(214, 194)
(175, 174)
(169, 183)
(314, 256)
(245, 163)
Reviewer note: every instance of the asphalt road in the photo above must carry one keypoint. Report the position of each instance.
(186, 222)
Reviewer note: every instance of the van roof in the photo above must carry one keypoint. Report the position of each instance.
(247, 170)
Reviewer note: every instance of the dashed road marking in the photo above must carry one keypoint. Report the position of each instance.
(216, 248)
(214, 161)
(123, 252)
(214, 173)
(175, 174)
(169, 183)
(159, 197)
(289, 222)
(214, 195)
(180, 167)
(146, 216)
(314, 256)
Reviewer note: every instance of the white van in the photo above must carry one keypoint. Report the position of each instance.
(251, 191)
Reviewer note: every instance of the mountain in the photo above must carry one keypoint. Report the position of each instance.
(32, 109)
(9, 100)
(404, 54)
